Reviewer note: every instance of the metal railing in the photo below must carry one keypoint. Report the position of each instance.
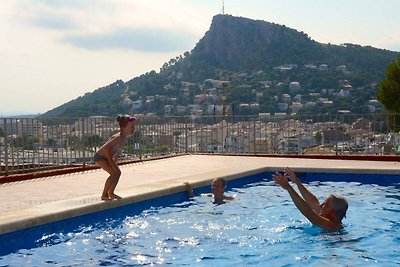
(34, 144)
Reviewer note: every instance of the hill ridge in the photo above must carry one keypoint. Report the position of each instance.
(233, 45)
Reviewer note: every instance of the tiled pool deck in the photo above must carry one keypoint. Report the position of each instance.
(34, 202)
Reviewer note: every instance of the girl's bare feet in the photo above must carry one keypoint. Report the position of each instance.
(114, 196)
(105, 198)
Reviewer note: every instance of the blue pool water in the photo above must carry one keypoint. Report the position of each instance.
(261, 227)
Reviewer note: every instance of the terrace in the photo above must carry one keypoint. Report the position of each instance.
(166, 152)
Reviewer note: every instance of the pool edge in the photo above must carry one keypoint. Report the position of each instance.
(65, 209)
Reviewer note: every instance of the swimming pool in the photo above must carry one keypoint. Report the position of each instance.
(261, 227)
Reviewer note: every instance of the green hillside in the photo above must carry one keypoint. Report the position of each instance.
(247, 53)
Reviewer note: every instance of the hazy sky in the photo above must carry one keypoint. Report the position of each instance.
(53, 51)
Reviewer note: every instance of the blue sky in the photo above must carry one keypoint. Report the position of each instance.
(53, 51)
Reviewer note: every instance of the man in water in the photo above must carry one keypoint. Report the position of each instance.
(327, 215)
(217, 188)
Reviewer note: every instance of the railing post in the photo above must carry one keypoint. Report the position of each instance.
(191, 134)
(336, 135)
(6, 146)
(254, 135)
(82, 139)
(186, 137)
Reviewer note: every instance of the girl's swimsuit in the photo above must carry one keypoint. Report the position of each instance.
(98, 157)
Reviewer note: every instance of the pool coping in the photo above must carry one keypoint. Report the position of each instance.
(64, 209)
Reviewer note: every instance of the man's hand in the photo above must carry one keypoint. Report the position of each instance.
(289, 173)
(189, 189)
(281, 180)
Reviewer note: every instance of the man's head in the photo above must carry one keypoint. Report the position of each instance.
(341, 205)
(218, 188)
(336, 204)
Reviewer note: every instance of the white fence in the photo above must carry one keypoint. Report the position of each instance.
(28, 145)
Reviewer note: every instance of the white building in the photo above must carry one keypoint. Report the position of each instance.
(283, 106)
(310, 104)
(296, 106)
(343, 93)
(286, 98)
(323, 67)
(294, 86)
(137, 104)
(297, 98)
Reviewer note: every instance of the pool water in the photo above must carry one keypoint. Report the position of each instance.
(261, 227)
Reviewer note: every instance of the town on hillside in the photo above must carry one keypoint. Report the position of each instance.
(254, 94)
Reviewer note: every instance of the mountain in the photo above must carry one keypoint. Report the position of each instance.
(241, 44)
(235, 45)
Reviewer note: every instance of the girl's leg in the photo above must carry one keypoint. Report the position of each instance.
(114, 176)
(112, 187)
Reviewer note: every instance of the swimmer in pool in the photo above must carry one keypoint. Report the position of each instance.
(327, 215)
(217, 188)
(107, 155)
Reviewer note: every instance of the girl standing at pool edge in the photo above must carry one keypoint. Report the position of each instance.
(107, 155)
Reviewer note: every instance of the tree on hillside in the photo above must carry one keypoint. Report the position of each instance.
(389, 91)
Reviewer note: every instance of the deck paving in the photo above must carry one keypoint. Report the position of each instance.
(43, 200)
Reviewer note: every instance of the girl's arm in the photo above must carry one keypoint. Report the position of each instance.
(115, 157)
